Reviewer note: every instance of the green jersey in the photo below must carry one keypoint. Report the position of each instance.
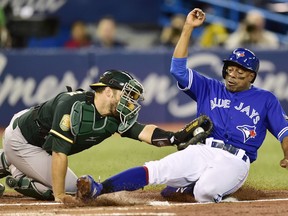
(49, 125)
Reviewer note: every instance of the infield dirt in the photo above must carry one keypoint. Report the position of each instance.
(146, 202)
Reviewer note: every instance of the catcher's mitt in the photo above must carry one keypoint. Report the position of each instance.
(189, 136)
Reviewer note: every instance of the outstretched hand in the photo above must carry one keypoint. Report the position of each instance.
(67, 199)
(195, 18)
(284, 163)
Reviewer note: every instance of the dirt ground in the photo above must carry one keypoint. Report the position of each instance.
(142, 202)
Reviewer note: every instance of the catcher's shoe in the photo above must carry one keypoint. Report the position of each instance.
(2, 189)
(87, 188)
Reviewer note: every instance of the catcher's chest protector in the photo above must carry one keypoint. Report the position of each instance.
(86, 128)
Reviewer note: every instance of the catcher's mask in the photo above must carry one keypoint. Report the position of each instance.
(243, 58)
(131, 91)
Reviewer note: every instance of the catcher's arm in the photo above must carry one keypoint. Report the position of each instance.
(185, 135)
(150, 134)
(59, 169)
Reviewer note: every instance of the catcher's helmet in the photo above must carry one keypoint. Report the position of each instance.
(113, 78)
(131, 91)
(244, 58)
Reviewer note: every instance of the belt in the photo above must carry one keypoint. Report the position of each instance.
(231, 149)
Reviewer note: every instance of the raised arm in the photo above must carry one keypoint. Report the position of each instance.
(194, 19)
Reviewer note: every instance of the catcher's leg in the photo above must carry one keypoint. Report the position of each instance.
(4, 167)
(4, 170)
(32, 162)
(29, 187)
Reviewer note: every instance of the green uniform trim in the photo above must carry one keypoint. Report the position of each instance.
(61, 136)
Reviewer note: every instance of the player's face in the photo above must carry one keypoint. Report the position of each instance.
(237, 79)
(114, 102)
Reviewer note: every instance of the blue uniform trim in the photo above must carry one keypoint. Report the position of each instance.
(283, 133)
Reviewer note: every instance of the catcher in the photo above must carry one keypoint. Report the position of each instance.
(39, 140)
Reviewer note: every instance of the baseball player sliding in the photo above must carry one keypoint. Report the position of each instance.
(241, 114)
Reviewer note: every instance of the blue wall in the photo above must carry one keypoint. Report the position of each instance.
(69, 11)
(29, 77)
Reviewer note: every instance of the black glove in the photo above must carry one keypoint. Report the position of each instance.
(194, 132)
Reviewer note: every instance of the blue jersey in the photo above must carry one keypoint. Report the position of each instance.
(239, 118)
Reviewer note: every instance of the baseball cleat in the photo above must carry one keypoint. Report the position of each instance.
(172, 191)
(87, 188)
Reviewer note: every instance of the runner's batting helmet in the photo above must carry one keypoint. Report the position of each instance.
(244, 58)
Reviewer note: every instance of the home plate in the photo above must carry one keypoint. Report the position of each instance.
(230, 199)
(166, 203)
(159, 203)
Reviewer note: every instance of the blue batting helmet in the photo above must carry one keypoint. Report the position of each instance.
(244, 58)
